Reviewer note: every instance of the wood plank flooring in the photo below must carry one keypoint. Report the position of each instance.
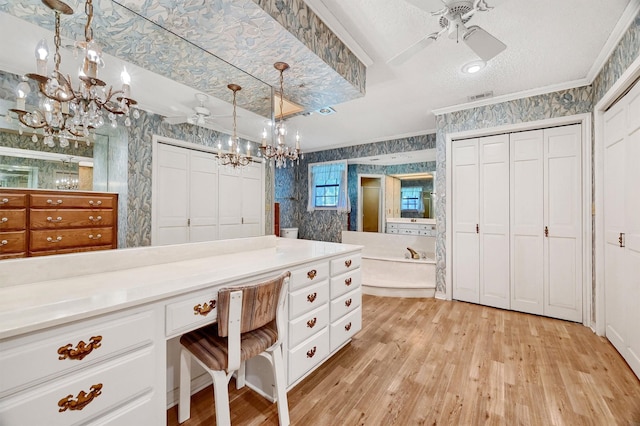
(433, 362)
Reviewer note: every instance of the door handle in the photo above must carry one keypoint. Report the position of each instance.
(621, 239)
(546, 231)
(477, 228)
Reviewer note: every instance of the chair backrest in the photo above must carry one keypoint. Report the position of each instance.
(260, 303)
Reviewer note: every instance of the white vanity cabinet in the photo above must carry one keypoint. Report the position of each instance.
(426, 227)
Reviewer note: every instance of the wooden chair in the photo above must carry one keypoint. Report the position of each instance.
(250, 323)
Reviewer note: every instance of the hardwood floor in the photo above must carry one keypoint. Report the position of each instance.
(427, 361)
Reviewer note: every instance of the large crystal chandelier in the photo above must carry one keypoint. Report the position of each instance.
(233, 157)
(281, 152)
(66, 113)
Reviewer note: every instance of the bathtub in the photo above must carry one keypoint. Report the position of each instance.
(385, 269)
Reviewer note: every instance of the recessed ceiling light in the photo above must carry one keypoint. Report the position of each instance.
(473, 67)
(326, 111)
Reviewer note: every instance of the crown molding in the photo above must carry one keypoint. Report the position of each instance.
(375, 140)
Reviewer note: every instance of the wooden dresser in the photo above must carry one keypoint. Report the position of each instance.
(41, 222)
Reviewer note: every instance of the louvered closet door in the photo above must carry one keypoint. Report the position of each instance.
(494, 221)
(466, 242)
(527, 221)
(172, 197)
(203, 197)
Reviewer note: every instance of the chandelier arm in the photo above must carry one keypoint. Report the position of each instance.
(21, 116)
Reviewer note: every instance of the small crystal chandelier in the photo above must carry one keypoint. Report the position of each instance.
(67, 182)
(66, 113)
(233, 157)
(281, 152)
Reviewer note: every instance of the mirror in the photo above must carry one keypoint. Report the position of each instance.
(416, 195)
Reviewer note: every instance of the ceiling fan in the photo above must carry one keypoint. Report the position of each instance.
(201, 114)
(453, 18)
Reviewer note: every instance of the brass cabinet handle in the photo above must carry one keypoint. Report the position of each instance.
(82, 400)
(312, 274)
(347, 263)
(347, 282)
(347, 327)
(56, 220)
(4, 220)
(311, 297)
(97, 203)
(347, 303)
(312, 322)
(96, 219)
(4, 201)
(546, 231)
(4, 242)
(54, 202)
(311, 352)
(96, 237)
(56, 240)
(81, 350)
(204, 309)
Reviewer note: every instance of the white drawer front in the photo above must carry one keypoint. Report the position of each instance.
(143, 411)
(344, 329)
(392, 226)
(344, 264)
(101, 339)
(308, 324)
(392, 230)
(308, 298)
(308, 354)
(192, 313)
(345, 304)
(345, 283)
(104, 386)
(409, 231)
(307, 275)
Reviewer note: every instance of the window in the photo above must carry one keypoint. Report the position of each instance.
(411, 199)
(328, 186)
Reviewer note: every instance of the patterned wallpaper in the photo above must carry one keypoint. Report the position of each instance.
(291, 187)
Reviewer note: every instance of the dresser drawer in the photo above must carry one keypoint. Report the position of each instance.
(12, 255)
(308, 354)
(344, 329)
(308, 324)
(69, 250)
(72, 348)
(98, 390)
(66, 238)
(13, 242)
(392, 230)
(69, 218)
(8, 200)
(308, 298)
(392, 226)
(194, 312)
(344, 264)
(345, 283)
(13, 219)
(407, 231)
(72, 201)
(308, 275)
(345, 304)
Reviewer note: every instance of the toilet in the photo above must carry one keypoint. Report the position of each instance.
(289, 232)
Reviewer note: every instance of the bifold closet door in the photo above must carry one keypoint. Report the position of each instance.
(172, 198)
(203, 197)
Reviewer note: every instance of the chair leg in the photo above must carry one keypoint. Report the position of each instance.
(184, 404)
(281, 386)
(240, 375)
(221, 396)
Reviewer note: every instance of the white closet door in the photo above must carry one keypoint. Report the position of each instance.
(251, 201)
(466, 247)
(494, 221)
(527, 221)
(562, 217)
(203, 197)
(230, 210)
(172, 199)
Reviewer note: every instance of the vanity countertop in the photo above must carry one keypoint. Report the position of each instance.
(55, 290)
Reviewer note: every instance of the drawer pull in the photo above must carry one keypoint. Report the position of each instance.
(96, 237)
(204, 309)
(347, 327)
(56, 240)
(54, 202)
(81, 350)
(312, 297)
(4, 220)
(4, 201)
(95, 219)
(347, 303)
(312, 274)
(56, 220)
(312, 322)
(311, 352)
(4, 242)
(347, 282)
(82, 400)
(347, 263)
(97, 203)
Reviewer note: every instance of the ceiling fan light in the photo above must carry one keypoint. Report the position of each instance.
(473, 67)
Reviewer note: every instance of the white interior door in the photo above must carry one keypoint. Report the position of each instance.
(526, 152)
(466, 247)
(252, 201)
(203, 196)
(494, 220)
(230, 209)
(172, 199)
(563, 222)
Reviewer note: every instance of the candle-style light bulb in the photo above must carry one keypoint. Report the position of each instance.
(22, 91)
(126, 81)
(297, 140)
(42, 53)
(264, 137)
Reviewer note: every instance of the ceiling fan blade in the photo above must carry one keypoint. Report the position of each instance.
(428, 5)
(175, 120)
(407, 53)
(482, 43)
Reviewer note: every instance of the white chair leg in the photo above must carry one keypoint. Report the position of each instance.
(281, 386)
(221, 395)
(240, 375)
(184, 404)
